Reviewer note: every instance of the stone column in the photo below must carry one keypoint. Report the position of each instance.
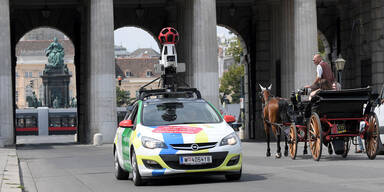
(287, 59)
(102, 90)
(6, 101)
(204, 50)
(305, 42)
(377, 44)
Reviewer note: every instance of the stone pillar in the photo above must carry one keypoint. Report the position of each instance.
(287, 59)
(6, 101)
(204, 50)
(377, 44)
(305, 42)
(102, 90)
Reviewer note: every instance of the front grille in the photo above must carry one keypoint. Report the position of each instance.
(188, 146)
(173, 160)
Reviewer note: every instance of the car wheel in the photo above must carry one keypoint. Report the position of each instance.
(120, 174)
(136, 177)
(233, 177)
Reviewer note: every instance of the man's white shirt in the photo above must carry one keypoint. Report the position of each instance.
(319, 71)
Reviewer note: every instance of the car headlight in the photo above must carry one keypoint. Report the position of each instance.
(151, 143)
(231, 139)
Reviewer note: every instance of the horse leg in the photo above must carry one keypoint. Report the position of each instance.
(286, 146)
(305, 148)
(266, 128)
(277, 132)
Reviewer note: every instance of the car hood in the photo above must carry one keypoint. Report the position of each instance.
(188, 133)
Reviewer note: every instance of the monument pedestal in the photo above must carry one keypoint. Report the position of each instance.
(56, 87)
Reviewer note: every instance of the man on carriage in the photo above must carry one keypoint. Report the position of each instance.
(324, 77)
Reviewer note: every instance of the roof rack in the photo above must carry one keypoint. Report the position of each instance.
(176, 93)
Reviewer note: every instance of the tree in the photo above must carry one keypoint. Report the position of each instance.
(234, 49)
(122, 97)
(230, 83)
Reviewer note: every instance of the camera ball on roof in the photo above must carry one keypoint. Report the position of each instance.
(168, 35)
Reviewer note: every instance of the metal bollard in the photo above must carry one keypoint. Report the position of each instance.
(98, 139)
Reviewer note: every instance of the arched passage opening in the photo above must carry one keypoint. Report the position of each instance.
(232, 65)
(136, 53)
(324, 47)
(45, 87)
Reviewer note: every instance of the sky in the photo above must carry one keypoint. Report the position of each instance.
(133, 38)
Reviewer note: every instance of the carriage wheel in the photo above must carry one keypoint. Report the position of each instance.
(315, 136)
(372, 136)
(293, 141)
(346, 148)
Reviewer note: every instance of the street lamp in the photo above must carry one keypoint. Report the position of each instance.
(340, 63)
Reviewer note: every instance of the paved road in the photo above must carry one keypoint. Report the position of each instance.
(87, 168)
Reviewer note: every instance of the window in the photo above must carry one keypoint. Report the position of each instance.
(28, 74)
(128, 74)
(17, 95)
(40, 73)
(149, 73)
(157, 114)
(17, 74)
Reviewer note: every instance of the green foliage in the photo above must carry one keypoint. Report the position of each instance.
(230, 83)
(122, 97)
(234, 49)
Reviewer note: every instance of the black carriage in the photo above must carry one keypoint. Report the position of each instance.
(334, 118)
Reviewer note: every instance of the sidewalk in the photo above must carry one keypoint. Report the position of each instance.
(9, 171)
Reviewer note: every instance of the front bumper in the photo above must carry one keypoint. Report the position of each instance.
(168, 164)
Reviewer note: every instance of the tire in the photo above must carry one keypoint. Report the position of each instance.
(234, 177)
(372, 136)
(120, 173)
(293, 141)
(346, 149)
(136, 177)
(315, 136)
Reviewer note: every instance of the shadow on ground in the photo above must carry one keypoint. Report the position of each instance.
(197, 180)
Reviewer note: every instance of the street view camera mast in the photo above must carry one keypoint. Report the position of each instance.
(168, 67)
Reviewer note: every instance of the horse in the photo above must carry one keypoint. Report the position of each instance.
(274, 112)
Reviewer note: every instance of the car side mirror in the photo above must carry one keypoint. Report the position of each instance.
(229, 118)
(126, 124)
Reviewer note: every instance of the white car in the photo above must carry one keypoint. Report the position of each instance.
(169, 136)
(380, 114)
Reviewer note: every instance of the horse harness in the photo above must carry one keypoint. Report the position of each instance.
(280, 125)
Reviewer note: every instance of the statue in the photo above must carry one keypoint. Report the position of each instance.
(73, 102)
(56, 103)
(32, 101)
(55, 54)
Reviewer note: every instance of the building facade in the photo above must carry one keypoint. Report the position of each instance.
(137, 70)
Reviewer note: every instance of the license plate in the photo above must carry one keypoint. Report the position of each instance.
(341, 128)
(195, 160)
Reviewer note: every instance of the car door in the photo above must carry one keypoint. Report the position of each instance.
(126, 139)
(380, 113)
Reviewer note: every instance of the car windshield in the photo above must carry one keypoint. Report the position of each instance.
(157, 114)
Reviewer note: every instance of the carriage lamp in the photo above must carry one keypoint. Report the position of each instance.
(340, 64)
